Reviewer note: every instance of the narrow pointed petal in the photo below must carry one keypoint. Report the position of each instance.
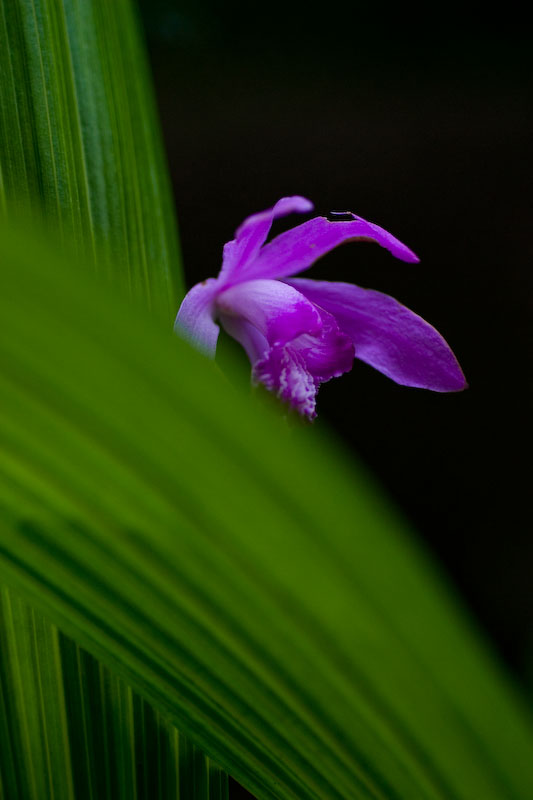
(283, 371)
(253, 232)
(298, 248)
(195, 320)
(276, 309)
(387, 335)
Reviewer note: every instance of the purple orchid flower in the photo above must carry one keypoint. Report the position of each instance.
(300, 333)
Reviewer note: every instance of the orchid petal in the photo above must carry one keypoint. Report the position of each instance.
(387, 335)
(283, 371)
(298, 248)
(253, 341)
(276, 309)
(254, 230)
(195, 320)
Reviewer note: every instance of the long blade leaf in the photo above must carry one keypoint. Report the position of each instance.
(80, 144)
(79, 139)
(254, 588)
(70, 728)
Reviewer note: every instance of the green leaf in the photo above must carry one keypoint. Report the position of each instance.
(79, 143)
(253, 587)
(79, 140)
(69, 728)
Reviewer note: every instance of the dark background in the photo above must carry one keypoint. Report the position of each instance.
(423, 125)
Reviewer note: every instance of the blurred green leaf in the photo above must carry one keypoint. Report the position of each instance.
(255, 588)
(80, 143)
(69, 728)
